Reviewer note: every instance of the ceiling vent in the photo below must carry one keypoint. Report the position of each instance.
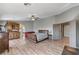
(27, 4)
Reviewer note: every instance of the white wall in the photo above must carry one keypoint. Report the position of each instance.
(68, 15)
(46, 23)
(28, 25)
(72, 35)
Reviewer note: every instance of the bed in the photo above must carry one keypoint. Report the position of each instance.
(41, 35)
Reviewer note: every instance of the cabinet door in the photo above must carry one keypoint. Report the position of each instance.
(1, 46)
(10, 35)
(17, 27)
(16, 35)
(6, 41)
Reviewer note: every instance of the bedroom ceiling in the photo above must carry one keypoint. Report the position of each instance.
(18, 11)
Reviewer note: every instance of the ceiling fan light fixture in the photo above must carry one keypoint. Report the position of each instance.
(33, 19)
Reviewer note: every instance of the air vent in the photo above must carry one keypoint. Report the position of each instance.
(27, 4)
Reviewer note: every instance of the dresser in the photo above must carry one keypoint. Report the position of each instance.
(4, 42)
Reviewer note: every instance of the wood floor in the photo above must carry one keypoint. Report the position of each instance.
(28, 47)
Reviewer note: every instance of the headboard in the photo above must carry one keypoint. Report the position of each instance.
(43, 31)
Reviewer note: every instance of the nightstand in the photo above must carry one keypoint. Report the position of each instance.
(50, 36)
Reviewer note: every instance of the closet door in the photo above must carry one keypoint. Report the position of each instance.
(56, 31)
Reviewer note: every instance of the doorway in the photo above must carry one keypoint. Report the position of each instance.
(61, 32)
(22, 32)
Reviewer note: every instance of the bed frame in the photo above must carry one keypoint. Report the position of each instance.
(42, 31)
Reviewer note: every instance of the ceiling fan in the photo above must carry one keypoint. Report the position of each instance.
(34, 17)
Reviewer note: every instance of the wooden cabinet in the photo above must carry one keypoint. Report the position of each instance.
(4, 42)
(13, 29)
(12, 26)
(14, 35)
